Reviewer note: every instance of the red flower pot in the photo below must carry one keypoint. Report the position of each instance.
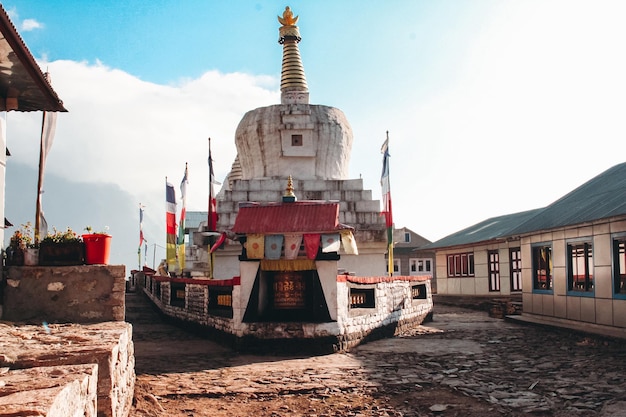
(97, 248)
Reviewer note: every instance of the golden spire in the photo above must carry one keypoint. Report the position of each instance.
(289, 196)
(293, 86)
(288, 19)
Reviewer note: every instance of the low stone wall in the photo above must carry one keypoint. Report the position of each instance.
(402, 303)
(38, 350)
(389, 306)
(64, 294)
(51, 391)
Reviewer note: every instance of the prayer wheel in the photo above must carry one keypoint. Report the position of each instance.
(289, 290)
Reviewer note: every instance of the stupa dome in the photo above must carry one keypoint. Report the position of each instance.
(293, 138)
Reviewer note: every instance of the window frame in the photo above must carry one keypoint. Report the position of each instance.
(462, 262)
(493, 268)
(549, 289)
(616, 266)
(427, 266)
(586, 246)
(515, 268)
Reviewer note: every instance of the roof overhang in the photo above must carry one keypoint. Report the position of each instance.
(296, 217)
(23, 86)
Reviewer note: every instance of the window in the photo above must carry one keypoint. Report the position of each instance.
(580, 267)
(515, 256)
(494, 270)
(420, 266)
(461, 265)
(396, 265)
(407, 237)
(296, 140)
(542, 267)
(619, 265)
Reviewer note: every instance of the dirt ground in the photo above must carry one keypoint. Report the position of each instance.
(425, 401)
(464, 363)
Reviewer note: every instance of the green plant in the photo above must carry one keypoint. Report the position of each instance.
(57, 236)
(105, 231)
(23, 237)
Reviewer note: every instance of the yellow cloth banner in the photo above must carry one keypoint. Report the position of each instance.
(287, 265)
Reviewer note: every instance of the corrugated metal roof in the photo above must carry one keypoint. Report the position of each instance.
(493, 228)
(297, 217)
(194, 218)
(601, 197)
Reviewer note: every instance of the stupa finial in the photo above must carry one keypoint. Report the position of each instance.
(288, 19)
(293, 86)
(289, 196)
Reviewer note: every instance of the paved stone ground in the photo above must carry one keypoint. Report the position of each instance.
(464, 363)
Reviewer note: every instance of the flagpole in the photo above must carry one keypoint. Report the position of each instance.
(386, 189)
(390, 232)
(210, 215)
(40, 179)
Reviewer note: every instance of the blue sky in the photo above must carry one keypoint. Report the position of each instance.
(492, 106)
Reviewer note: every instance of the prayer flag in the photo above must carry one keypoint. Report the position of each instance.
(311, 244)
(255, 246)
(292, 246)
(219, 242)
(48, 129)
(330, 243)
(181, 227)
(349, 243)
(386, 192)
(141, 239)
(170, 225)
(273, 246)
(212, 217)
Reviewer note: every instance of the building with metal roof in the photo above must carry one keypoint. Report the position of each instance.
(567, 259)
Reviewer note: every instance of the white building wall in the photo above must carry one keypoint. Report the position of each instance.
(479, 283)
(601, 307)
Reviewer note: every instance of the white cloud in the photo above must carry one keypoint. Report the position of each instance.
(30, 24)
(122, 130)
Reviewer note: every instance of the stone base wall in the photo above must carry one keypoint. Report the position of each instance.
(397, 304)
(52, 391)
(33, 350)
(397, 307)
(64, 294)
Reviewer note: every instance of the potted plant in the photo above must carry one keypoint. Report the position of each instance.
(97, 246)
(61, 248)
(22, 246)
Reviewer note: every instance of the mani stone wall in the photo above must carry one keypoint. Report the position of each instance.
(398, 304)
(64, 294)
(50, 370)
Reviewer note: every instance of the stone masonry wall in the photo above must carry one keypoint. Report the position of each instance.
(64, 294)
(35, 349)
(52, 391)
